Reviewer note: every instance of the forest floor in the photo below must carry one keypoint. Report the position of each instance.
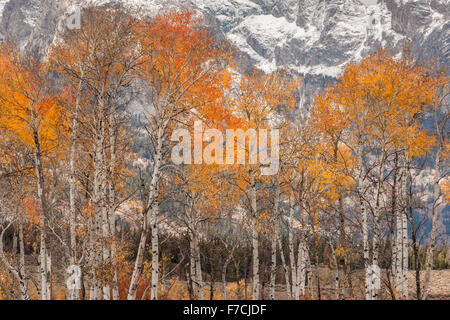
(439, 285)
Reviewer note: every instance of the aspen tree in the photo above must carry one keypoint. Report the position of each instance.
(183, 71)
(29, 111)
(12, 167)
(441, 118)
(375, 104)
(100, 58)
(258, 100)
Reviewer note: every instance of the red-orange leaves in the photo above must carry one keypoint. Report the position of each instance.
(184, 67)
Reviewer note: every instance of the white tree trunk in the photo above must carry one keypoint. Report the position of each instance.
(273, 267)
(72, 180)
(336, 274)
(101, 227)
(43, 272)
(301, 259)
(112, 200)
(49, 274)
(309, 275)
(368, 284)
(365, 224)
(430, 251)
(22, 275)
(404, 234)
(151, 199)
(138, 266)
(104, 202)
(195, 262)
(376, 228)
(198, 270)
(301, 270)
(396, 196)
(291, 244)
(405, 255)
(155, 254)
(399, 254)
(254, 236)
(192, 268)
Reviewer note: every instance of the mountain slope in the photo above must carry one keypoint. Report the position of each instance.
(309, 36)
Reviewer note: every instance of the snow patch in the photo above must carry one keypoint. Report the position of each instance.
(31, 17)
(2, 6)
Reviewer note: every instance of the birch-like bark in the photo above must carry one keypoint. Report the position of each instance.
(273, 267)
(376, 227)
(20, 273)
(104, 203)
(291, 243)
(155, 253)
(434, 212)
(309, 275)
(405, 247)
(394, 250)
(192, 268)
(254, 236)
(72, 186)
(138, 265)
(93, 255)
(100, 226)
(163, 279)
(343, 244)
(301, 259)
(365, 226)
(368, 284)
(336, 274)
(43, 272)
(395, 265)
(151, 199)
(342, 232)
(198, 270)
(301, 270)
(112, 199)
(101, 200)
(404, 226)
(399, 252)
(440, 131)
(49, 275)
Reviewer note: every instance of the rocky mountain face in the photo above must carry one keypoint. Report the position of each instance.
(312, 37)
(315, 38)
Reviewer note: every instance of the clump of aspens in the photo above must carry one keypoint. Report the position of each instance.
(86, 183)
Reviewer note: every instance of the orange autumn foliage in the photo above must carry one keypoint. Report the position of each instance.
(28, 103)
(378, 100)
(187, 70)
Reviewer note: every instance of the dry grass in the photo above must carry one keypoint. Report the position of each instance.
(177, 290)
